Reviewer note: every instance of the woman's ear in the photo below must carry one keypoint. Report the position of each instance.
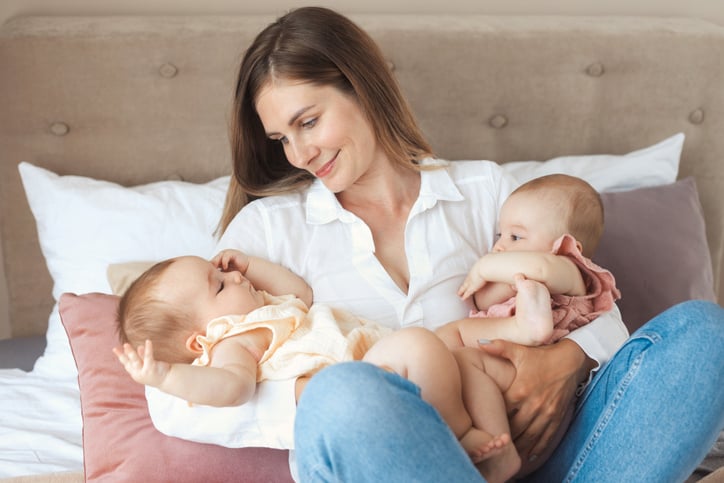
(193, 345)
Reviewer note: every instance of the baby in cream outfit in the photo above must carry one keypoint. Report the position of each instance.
(202, 331)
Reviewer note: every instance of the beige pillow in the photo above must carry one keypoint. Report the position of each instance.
(121, 275)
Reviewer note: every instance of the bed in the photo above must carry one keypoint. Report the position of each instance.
(113, 151)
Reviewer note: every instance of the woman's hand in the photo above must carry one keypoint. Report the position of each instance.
(542, 393)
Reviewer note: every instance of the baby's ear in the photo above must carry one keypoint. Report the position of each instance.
(193, 344)
(579, 245)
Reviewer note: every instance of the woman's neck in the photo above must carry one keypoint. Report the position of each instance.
(389, 189)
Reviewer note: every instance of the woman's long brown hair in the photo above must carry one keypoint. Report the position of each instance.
(319, 46)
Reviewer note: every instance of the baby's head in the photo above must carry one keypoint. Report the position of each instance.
(543, 209)
(173, 301)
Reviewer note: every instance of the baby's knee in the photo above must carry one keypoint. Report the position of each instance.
(417, 335)
(450, 335)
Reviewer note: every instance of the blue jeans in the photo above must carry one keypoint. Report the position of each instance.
(650, 414)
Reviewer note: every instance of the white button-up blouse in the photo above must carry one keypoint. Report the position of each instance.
(452, 223)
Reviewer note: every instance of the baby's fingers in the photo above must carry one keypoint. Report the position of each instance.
(464, 292)
(470, 286)
(147, 353)
(221, 260)
(120, 354)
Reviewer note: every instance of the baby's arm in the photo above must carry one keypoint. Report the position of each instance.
(230, 382)
(557, 272)
(264, 274)
(492, 293)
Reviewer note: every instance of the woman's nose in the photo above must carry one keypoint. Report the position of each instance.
(302, 153)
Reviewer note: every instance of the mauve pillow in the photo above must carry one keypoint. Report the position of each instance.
(119, 441)
(654, 243)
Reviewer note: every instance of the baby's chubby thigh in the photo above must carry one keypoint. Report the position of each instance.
(417, 354)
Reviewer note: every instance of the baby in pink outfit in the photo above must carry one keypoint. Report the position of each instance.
(539, 282)
(572, 311)
(536, 285)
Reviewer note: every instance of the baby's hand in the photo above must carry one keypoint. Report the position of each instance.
(141, 365)
(230, 259)
(474, 281)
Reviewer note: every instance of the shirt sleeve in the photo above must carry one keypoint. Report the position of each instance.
(247, 232)
(601, 338)
(267, 420)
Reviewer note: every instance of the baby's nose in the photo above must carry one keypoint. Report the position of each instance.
(234, 277)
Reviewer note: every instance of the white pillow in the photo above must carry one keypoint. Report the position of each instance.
(653, 166)
(86, 224)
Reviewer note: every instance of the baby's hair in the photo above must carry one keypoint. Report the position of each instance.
(143, 315)
(581, 208)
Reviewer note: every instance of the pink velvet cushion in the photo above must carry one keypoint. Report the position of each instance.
(655, 245)
(119, 440)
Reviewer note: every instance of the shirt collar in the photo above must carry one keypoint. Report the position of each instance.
(322, 206)
(435, 185)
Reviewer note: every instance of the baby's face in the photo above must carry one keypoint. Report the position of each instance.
(528, 223)
(197, 283)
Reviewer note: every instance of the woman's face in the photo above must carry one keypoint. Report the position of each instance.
(322, 130)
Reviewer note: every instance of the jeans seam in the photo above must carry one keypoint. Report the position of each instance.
(319, 472)
(612, 406)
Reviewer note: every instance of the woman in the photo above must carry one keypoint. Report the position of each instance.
(349, 197)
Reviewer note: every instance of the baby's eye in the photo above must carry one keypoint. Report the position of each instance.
(515, 237)
(221, 287)
(497, 236)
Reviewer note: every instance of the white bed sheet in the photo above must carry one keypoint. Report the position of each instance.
(40, 424)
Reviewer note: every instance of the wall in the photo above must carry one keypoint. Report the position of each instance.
(712, 10)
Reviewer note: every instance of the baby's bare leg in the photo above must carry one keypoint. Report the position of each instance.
(420, 356)
(532, 323)
(467, 332)
(484, 378)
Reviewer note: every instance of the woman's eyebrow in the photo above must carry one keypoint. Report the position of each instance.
(292, 119)
(297, 114)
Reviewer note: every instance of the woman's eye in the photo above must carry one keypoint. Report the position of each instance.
(310, 123)
(282, 140)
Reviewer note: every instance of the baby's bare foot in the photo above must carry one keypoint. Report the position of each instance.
(481, 445)
(533, 310)
(501, 462)
(492, 448)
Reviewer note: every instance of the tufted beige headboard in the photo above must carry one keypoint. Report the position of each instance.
(134, 100)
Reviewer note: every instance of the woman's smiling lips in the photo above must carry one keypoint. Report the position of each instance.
(326, 169)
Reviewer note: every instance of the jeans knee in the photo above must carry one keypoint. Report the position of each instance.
(350, 392)
(699, 322)
(673, 337)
